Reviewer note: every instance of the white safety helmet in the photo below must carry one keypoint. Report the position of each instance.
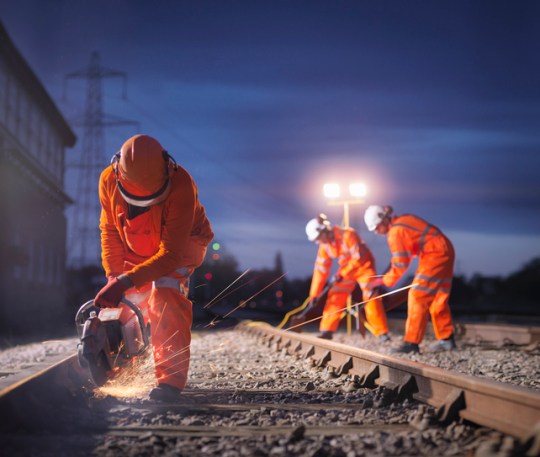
(373, 216)
(316, 225)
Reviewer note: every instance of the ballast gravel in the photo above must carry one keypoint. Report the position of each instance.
(273, 392)
(245, 399)
(27, 355)
(508, 364)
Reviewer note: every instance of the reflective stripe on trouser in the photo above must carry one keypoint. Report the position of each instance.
(337, 301)
(165, 305)
(430, 296)
(170, 316)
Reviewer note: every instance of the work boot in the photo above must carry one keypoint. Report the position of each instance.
(326, 335)
(384, 338)
(406, 348)
(443, 345)
(165, 393)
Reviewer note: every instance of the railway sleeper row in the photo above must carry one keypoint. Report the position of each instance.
(393, 380)
(510, 409)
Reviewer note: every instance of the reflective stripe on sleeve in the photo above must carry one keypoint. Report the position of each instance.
(171, 283)
(402, 254)
(321, 268)
(166, 281)
(322, 261)
(400, 264)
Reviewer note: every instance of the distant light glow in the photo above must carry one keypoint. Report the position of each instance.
(208, 276)
(331, 190)
(216, 246)
(357, 189)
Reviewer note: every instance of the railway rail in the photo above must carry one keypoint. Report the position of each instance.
(510, 409)
(330, 398)
(486, 334)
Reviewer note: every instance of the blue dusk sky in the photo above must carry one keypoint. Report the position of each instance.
(434, 105)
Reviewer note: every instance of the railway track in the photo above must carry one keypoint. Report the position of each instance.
(496, 335)
(507, 408)
(303, 397)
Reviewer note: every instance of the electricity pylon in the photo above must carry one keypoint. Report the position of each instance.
(83, 241)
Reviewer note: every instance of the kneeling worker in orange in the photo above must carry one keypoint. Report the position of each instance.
(356, 265)
(410, 236)
(154, 233)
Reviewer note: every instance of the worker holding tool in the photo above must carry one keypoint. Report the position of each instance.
(356, 265)
(409, 236)
(154, 233)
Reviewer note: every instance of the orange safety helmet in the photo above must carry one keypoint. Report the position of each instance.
(143, 169)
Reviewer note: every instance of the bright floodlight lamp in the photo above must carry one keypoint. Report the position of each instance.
(331, 190)
(357, 189)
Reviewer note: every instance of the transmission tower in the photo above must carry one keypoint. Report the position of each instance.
(83, 241)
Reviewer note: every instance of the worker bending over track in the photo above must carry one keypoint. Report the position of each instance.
(356, 265)
(409, 236)
(154, 233)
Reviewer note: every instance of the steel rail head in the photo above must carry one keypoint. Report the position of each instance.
(510, 409)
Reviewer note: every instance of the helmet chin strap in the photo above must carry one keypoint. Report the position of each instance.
(148, 200)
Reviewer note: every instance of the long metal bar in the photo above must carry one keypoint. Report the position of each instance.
(58, 382)
(510, 409)
(500, 333)
(497, 334)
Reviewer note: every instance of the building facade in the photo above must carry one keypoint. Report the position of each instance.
(33, 226)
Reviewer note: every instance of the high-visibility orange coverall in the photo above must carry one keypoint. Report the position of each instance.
(356, 265)
(158, 250)
(410, 236)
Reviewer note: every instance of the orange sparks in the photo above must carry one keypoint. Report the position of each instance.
(133, 381)
(220, 296)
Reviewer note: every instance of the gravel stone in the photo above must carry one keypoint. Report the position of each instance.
(271, 388)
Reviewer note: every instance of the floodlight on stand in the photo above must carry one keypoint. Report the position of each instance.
(357, 189)
(331, 190)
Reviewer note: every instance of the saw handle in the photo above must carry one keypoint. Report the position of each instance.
(140, 318)
(84, 312)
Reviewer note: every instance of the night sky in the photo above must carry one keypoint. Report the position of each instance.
(434, 105)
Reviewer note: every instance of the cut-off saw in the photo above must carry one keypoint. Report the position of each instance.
(109, 337)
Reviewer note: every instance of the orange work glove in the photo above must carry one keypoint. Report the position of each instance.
(111, 294)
